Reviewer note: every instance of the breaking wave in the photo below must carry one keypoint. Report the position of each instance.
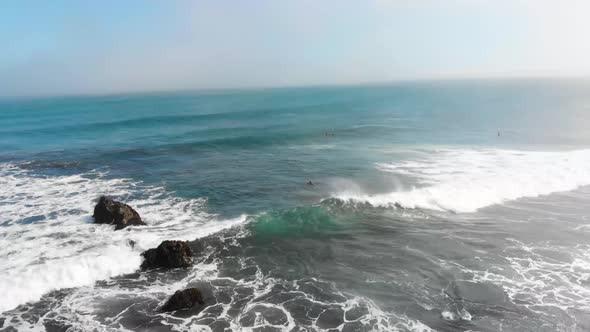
(466, 180)
(48, 240)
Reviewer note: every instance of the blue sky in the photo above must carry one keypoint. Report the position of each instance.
(79, 47)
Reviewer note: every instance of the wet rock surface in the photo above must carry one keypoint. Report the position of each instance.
(109, 211)
(184, 299)
(169, 254)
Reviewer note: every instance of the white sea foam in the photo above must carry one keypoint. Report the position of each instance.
(541, 281)
(464, 180)
(48, 241)
(551, 286)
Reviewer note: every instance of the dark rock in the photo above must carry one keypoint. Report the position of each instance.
(169, 254)
(109, 211)
(184, 299)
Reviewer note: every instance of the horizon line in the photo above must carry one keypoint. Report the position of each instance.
(295, 86)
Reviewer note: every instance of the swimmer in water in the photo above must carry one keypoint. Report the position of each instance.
(309, 183)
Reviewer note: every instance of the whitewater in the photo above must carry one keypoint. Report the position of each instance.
(49, 216)
(356, 208)
(48, 240)
(464, 180)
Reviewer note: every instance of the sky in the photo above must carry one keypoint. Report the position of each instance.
(63, 47)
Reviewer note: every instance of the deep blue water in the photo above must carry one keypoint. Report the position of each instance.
(446, 205)
(249, 147)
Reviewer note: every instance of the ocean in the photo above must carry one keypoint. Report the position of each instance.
(410, 206)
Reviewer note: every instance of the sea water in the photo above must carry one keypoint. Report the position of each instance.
(433, 206)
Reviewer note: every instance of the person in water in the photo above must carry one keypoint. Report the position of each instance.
(310, 183)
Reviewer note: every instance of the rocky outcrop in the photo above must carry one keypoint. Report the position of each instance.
(169, 254)
(184, 299)
(109, 211)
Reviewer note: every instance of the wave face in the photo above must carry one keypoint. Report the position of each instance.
(48, 241)
(462, 180)
(54, 259)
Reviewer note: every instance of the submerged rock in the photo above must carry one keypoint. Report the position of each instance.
(184, 299)
(169, 254)
(109, 211)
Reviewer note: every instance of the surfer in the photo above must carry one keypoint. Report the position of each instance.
(309, 183)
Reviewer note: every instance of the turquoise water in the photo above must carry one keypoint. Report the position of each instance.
(434, 205)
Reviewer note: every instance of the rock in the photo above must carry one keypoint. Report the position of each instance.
(184, 299)
(169, 254)
(108, 211)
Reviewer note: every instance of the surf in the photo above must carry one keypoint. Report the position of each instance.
(48, 240)
(466, 180)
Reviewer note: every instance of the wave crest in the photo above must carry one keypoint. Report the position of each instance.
(467, 180)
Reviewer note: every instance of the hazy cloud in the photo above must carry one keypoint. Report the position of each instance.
(212, 44)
